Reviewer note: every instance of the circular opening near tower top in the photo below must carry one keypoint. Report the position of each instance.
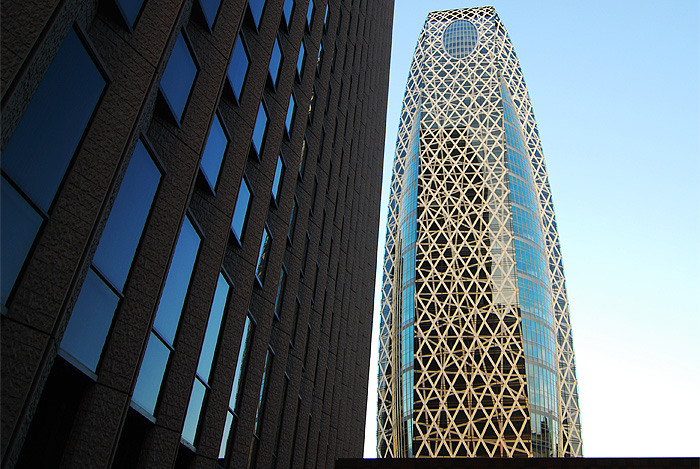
(460, 38)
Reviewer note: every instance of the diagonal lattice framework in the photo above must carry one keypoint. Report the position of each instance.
(470, 393)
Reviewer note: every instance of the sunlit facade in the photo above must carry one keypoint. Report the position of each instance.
(476, 355)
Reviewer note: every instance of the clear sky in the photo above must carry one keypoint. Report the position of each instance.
(615, 86)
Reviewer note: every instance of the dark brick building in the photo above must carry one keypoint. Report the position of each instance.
(190, 211)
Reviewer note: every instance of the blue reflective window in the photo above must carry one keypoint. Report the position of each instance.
(194, 411)
(238, 68)
(210, 8)
(275, 62)
(277, 182)
(241, 364)
(211, 336)
(130, 10)
(325, 17)
(19, 223)
(291, 108)
(300, 59)
(151, 374)
(263, 256)
(287, 11)
(256, 8)
(310, 14)
(178, 78)
(126, 221)
(260, 130)
(90, 321)
(214, 150)
(177, 283)
(43, 144)
(240, 213)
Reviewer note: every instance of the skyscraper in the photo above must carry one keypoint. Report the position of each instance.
(476, 356)
(190, 204)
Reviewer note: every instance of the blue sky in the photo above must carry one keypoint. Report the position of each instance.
(615, 87)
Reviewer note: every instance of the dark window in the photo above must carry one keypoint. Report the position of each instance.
(214, 151)
(293, 220)
(210, 8)
(130, 10)
(302, 160)
(238, 68)
(260, 130)
(310, 14)
(306, 254)
(280, 292)
(43, 144)
(240, 214)
(263, 255)
(275, 62)
(289, 121)
(287, 11)
(256, 8)
(319, 59)
(178, 78)
(300, 60)
(277, 181)
(167, 318)
(280, 417)
(92, 315)
(206, 359)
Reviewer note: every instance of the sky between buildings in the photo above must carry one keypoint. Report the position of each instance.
(615, 87)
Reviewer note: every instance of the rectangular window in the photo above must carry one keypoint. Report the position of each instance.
(206, 358)
(92, 315)
(130, 10)
(42, 146)
(281, 287)
(277, 181)
(167, 317)
(240, 213)
(213, 154)
(287, 12)
(238, 68)
(275, 62)
(259, 131)
(300, 60)
(237, 386)
(256, 9)
(178, 78)
(263, 256)
(289, 121)
(210, 8)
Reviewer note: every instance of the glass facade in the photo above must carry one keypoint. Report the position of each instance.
(470, 360)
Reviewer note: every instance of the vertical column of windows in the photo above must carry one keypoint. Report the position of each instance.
(200, 388)
(41, 148)
(167, 320)
(92, 314)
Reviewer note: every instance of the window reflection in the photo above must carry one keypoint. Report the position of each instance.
(275, 62)
(178, 78)
(300, 59)
(263, 255)
(214, 150)
(289, 121)
(240, 213)
(238, 68)
(210, 8)
(287, 11)
(130, 10)
(256, 8)
(277, 181)
(260, 130)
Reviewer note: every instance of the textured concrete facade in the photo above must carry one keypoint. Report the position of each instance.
(304, 384)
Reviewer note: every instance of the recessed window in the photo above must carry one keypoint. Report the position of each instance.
(310, 14)
(256, 9)
(42, 146)
(293, 220)
(130, 10)
(287, 11)
(167, 318)
(302, 160)
(238, 68)
(319, 59)
(325, 17)
(210, 8)
(289, 121)
(277, 181)
(240, 214)
(260, 130)
(206, 359)
(275, 62)
(300, 59)
(263, 256)
(280, 293)
(178, 78)
(214, 150)
(92, 315)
